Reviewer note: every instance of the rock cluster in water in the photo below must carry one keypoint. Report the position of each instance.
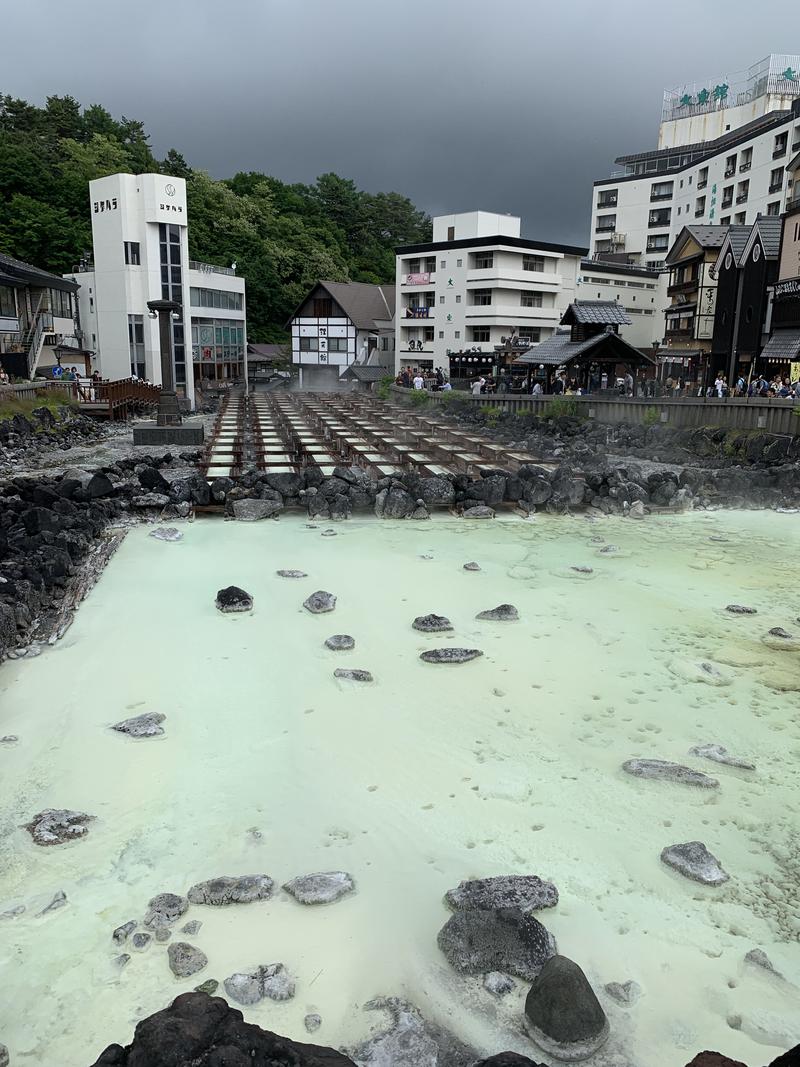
(56, 826)
(270, 980)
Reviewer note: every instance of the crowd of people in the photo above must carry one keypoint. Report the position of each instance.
(776, 387)
(423, 378)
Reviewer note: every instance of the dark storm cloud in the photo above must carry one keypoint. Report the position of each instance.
(506, 105)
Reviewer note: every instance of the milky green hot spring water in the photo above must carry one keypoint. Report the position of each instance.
(429, 775)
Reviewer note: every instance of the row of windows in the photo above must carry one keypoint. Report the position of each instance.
(169, 240)
(619, 282)
(217, 340)
(478, 261)
(334, 344)
(215, 298)
(61, 303)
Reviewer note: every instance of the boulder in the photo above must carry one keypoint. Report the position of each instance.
(254, 510)
(291, 574)
(147, 725)
(527, 892)
(562, 1013)
(320, 602)
(394, 503)
(502, 613)
(271, 980)
(233, 599)
(432, 624)
(340, 642)
(163, 933)
(410, 1040)
(475, 941)
(716, 1059)
(759, 958)
(166, 533)
(450, 655)
(471, 567)
(285, 482)
(480, 511)
(122, 933)
(210, 986)
(192, 927)
(185, 960)
(740, 609)
(244, 889)
(99, 485)
(693, 860)
(352, 674)
(720, 754)
(153, 480)
(508, 1059)
(164, 909)
(671, 772)
(55, 826)
(141, 941)
(206, 1032)
(323, 888)
(150, 500)
(312, 1022)
(436, 491)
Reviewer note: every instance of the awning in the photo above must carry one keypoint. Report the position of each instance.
(782, 347)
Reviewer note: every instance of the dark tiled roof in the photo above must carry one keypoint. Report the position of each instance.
(770, 228)
(23, 273)
(707, 237)
(265, 351)
(559, 349)
(604, 312)
(738, 237)
(364, 373)
(364, 304)
(784, 345)
(525, 243)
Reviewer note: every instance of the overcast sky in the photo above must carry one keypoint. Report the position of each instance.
(505, 105)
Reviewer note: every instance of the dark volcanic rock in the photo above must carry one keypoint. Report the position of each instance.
(147, 725)
(165, 909)
(693, 860)
(340, 642)
(450, 655)
(206, 1032)
(672, 772)
(432, 624)
(471, 566)
(480, 511)
(502, 613)
(508, 1059)
(503, 939)
(185, 960)
(716, 1059)
(563, 1015)
(322, 888)
(99, 485)
(233, 599)
(320, 602)
(740, 609)
(352, 674)
(226, 890)
(527, 892)
(55, 826)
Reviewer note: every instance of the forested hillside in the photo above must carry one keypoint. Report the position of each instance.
(282, 237)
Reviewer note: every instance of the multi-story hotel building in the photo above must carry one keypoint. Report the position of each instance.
(721, 159)
(141, 253)
(476, 282)
(635, 289)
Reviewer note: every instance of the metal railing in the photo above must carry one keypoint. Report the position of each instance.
(210, 268)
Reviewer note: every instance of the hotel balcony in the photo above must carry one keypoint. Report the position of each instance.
(730, 171)
(418, 313)
(604, 229)
(602, 205)
(727, 203)
(660, 196)
(776, 187)
(703, 184)
(741, 198)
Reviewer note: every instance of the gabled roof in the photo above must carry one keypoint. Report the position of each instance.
(364, 304)
(366, 372)
(783, 346)
(558, 349)
(735, 241)
(603, 312)
(767, 229)
(17, 272)
(707, 237)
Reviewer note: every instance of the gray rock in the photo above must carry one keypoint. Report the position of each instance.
(720, 754)
(471, 567)
(320, 602)
(527, 892)
(624, 992)
(436, 491)
(410, 1041)
(141, 941)
(271, 980)
(243, 889)
(210, 986)
(55, 826)
(340, 643)
(4, 1056)
(778, 631)
(185, 960)
(502, 613)
(58, 901)
(165, 909)
(759, 958)
(255, 510)
(322, 888)
(9, 739)
(147, 725)
(191, 928)
(608, 550)
(150, 500)
(498, 984)
(582, 570)
(672, 772)
(13, 913)
(394, 503)
(475, 941)
(120, 961)
(636, 510)
(122, 933)
(740, 609)
(291, 574)
(562, 1013)
(352, 674)
(166, 533)
(450, 655)
(432, 624)
(233, 599)
(163, 933)
(480, 511)
(312, 1022)
(328, 533)
(693, 860)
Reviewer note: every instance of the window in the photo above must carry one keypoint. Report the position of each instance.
(776, 180)
(537, 262)
(169, 242)
(459, 262)
(323, 308)
(458, 298)
(457, 334)
(781, 144)
(484, 260)
(8, 307)
(132, 254)
(658, 242)
(430, 265)
(605, 223)
(441, 335)
(480, 334)
(747, 159)
(702, 178)
(443, 263)
(430, 300)
(215, 298)
(61, 303)
(338, 344)
(530, 300)
(530, 333)
(774, 208)
(661, 190)
(482, 297)
(725, 220)
(441, 299)
(727, 196)
(699, 206)
(607, 198)
(413, 266)
(660, 217)
(742, 189)
(730, 165)
(427, 334)
(451, 233)
(309, 344)
(384, 343)
(136, 345)
(740, 218)
(655, 264)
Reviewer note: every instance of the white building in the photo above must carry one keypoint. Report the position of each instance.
(339, 324)
(477, 282)
(721, 160)
(636, 289)
(141, 253)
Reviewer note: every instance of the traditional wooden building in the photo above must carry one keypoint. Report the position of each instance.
(782, 352)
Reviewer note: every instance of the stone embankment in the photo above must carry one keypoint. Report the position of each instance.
(27, 439)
